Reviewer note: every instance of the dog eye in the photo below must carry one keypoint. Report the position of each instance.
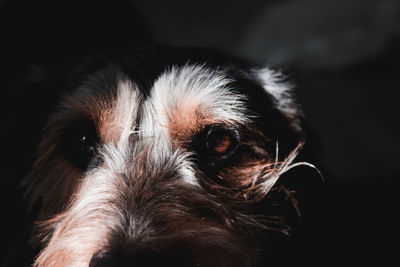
(215, 145)
(79, 144)
(220, 141)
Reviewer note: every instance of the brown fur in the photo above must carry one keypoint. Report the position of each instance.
(135, 205)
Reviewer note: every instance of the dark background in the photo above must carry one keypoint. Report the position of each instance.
(343, 56)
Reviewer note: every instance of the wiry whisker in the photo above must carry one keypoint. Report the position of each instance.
(271, 175)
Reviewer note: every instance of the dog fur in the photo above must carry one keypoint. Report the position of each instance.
(126, 175)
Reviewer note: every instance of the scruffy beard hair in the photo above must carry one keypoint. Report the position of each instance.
(152, 159)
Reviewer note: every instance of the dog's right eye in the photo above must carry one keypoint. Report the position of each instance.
(79, 144)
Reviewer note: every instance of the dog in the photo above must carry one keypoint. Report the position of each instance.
(164, 155)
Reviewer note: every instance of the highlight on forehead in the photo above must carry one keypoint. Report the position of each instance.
(188, 98)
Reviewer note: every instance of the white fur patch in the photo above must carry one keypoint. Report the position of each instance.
(281, 91)
(182, 88)
(196, 85)
(126, 110)
(85, 228)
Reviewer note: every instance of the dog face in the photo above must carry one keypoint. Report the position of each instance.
(161, 156)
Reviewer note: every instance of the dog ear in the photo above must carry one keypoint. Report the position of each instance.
(282, 94)
(27, 100)
(25, 112)
(271, 98)
(293, 127)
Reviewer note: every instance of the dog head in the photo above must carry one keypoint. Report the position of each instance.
(161, 155)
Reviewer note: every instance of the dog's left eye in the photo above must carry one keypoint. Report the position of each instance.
(216, 145)
(79, 144)
(220, 141)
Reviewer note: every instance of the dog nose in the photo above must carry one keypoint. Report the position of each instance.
(140, 259)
